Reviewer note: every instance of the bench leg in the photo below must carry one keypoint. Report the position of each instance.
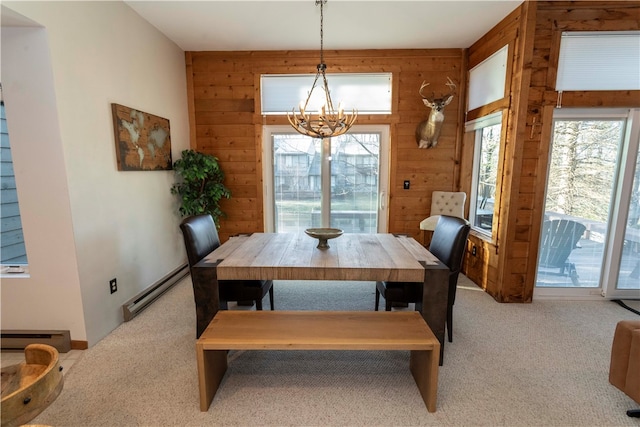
(212, 364)
(424, 367)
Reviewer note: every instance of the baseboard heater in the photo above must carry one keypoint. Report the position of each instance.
(19, 339)
(135, 305)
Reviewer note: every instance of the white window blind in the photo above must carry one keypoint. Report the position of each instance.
(487, 80)
(600, 60)
(367, 93)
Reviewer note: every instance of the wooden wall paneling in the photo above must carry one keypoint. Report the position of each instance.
(509, 275)
(515, 251)
(225, 94)
(190, 101)
(259, 176)
(460, 115)
(492, 274)
(428, 170)
(501, 34)
(626, 98)
(541, 174)
(552, 19)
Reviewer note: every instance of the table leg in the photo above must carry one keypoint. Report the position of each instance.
(435, 295)
(206, 294)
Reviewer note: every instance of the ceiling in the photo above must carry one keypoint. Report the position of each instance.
(218, 25)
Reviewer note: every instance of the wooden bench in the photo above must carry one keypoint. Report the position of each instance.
(317, 330)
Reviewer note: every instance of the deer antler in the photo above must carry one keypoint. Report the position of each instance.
(451, 86)
(424, 84)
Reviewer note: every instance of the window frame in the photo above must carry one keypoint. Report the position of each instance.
(473, 134)
(268, 172)
(13, 269)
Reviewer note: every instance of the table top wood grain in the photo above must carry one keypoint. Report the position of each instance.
(294, 256)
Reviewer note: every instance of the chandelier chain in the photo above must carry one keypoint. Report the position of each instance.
(328, 121)
(322, 2)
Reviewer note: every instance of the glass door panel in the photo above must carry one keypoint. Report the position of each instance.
(629, 270)
(355, 165)
(354, 190)
(623, 280)
(296, 181)
(580, 190)
(593, 198)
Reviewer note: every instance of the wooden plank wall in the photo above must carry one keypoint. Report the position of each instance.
(506, 269)
(484, 268)
(226, 122)
(225, 119)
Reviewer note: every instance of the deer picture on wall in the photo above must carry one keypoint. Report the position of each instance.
(428, 131)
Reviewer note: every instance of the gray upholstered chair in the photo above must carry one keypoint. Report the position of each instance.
(448, 245)
(201, 238)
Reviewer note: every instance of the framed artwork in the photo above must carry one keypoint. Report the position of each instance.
(143, 141)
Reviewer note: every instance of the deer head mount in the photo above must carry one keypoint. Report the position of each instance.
(428, 131)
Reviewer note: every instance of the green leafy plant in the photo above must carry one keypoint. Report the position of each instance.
(199, 184)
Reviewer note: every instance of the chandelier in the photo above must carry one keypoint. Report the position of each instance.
(328, 121)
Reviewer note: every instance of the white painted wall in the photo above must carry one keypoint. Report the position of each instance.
(85, 222)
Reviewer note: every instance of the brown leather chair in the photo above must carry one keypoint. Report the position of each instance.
(448, 245)
(624, 370)
(201, 238)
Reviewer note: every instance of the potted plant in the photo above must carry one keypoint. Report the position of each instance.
(199, 184)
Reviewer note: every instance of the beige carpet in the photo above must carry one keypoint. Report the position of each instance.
(540, 364)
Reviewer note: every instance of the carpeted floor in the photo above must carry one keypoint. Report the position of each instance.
(539, 364)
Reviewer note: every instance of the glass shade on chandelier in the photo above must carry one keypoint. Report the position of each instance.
(328, 121)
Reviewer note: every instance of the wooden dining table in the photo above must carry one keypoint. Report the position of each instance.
(350, 257)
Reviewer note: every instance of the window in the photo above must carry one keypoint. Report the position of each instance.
(12, 247)
(590, 239)
(486, 134)
(599, 60)
(340, 181)
(281, 93)
(487, 79)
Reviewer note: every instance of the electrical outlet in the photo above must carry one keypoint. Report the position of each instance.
(113, 285)
(407, 184)
(473, 250)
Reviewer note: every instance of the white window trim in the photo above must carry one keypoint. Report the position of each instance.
(474, 126)
(383, 178)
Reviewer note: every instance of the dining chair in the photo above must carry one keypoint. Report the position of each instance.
(448, 245)
(201, 238)
(444, 203)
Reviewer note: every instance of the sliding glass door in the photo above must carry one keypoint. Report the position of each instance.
(339, 182)
(590, 239)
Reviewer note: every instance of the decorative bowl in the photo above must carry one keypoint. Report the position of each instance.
(323, 234)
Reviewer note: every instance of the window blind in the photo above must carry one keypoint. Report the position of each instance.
(368, 93)
(599, 60)
(487, 80)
